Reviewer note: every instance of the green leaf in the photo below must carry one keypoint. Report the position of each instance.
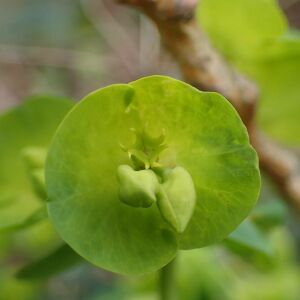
(254, 35)
(36, 216)
(31, 124)
(203, 134)
(56, 262)
(270, 214)
(242, 27)
(277, 75)
(248, 239)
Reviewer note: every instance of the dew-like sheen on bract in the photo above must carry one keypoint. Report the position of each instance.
(203, 134)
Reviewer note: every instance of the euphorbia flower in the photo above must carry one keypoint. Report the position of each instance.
(138, 171)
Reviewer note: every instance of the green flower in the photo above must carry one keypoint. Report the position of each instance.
(184, 177)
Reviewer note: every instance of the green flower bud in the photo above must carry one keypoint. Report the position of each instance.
(34, 157)
(177, 198)
(38, 183)
(137, 188)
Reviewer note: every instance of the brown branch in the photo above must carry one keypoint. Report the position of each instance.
(205, 68)
(282, 165)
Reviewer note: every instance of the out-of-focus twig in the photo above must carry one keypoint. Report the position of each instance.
(205, 68)
(288, 3)
(14, 82)
(131, 38)
(81, 70)
(54, 57)
(116, 36)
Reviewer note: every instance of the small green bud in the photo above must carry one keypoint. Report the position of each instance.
(38, 183)
(34, 157)
(166, 209)
(177, 198)
(137, 188)
(145, 152)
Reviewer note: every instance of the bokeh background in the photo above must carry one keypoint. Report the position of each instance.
(69, 48)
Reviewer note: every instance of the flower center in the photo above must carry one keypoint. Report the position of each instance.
(148, 181)
(145, 151)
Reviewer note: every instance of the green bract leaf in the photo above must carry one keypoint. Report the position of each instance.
(201, 133)
(56, 262)
(35, 217)
(270, 214)
(242, 28)
(31, 124)
(247, 240)
(277, 75)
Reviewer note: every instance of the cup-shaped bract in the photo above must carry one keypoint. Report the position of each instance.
(201, 133)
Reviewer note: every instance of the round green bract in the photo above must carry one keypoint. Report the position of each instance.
(204, 135)
(33, 123)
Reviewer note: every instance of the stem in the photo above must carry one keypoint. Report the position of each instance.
(167, 282)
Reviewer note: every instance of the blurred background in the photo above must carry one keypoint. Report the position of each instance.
(73, 47)
(69, 48)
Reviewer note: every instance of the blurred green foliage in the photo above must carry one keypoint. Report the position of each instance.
(254, 35)
(40, 23)
(258, 261)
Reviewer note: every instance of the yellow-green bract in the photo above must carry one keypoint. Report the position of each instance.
(203, 134)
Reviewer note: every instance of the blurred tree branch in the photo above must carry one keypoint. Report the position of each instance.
(119, 25)
(203, 67)
(54, 57)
